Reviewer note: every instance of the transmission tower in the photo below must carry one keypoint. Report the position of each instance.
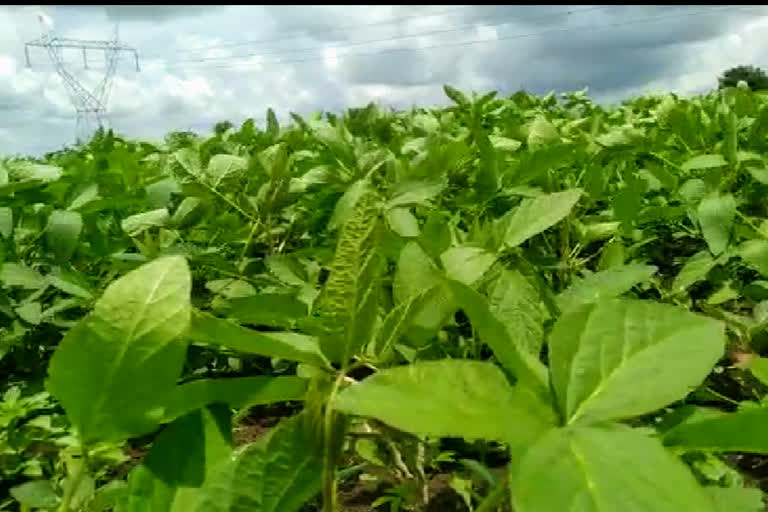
(90, 103)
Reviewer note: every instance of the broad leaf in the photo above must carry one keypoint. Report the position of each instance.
(6, 221)
(236, 392)
(206, 328)
(451, 398)
(606, 284)
(704, 162)
(604, 469)
(272, 309)
(415, 193)
(222, 166)
(522, 365)
(694, 270)
(17, 274)
(758, 366)
(716, 214)
(516, 303)
(536, 215)
(467, 264)
(542, 132)
(736, 499)
(183, 457)
(35, 494)
(63, 232)
(755, 254)
(742, 431)
(278, 475)
(402, 222)
(416, 273)
(346, 204)
(399, 319)
(141, 222)
(623, 358)
(114, 371)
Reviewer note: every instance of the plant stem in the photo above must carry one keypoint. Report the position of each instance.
(74, 482)
(329, 459)
(494, 499)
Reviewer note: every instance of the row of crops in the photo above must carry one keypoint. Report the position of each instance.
(523, 303)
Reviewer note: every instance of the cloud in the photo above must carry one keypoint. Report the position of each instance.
(203, 64)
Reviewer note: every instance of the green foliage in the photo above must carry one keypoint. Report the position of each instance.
(569, 295)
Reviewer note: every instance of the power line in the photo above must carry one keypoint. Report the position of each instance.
(473, 42)
(393, 38)
(299, 33)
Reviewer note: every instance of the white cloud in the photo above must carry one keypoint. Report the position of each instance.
(330, 58)
(683, 55)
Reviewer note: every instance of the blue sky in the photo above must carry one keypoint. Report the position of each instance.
(203, 64)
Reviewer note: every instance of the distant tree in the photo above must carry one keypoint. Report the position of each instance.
(222, 127)
(755, 78)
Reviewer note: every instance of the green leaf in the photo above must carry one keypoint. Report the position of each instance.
(63, 232)
(742, 431)
(755, 253)
(137, 224)
(345, 207)
(604, 469)
(273, 127)
(348, 303)
(457, 96)
(186, 212)
(542, 132)
(114, 370)
(399, 319)
(517, 304)
(415, 193)
(236, 392)
(6, 221)
(758, 366)
(17, 274)
(35, 494)
(183, 457)
(30, 171)
(271, 309)
(716, 214)
(454, 398)
(522, 365)
(504, 143)
(606, 284)
(623, 358)
(89, 194)
(695, 269)
(279, 475)
(704, 162)
(30, 312)
(402, 222)
(222, 167)
(736, 499)
(467, 264)
(206, 328)
(760, 175)
(159, 193)
(70, 282)
(536, 215)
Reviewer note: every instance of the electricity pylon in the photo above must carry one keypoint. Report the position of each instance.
(90, 104)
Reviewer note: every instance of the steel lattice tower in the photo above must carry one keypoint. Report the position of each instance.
(90, 104)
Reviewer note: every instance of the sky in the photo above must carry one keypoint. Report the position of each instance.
(203, 64)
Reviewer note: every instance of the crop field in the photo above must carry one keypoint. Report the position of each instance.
(523, 303)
